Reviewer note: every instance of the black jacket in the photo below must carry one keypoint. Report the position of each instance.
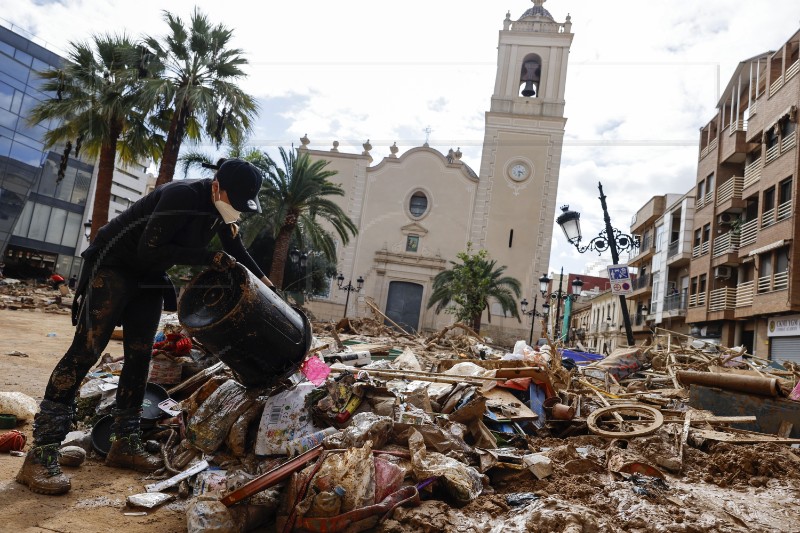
(170, 226)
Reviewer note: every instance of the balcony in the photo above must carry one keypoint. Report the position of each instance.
(729, 192)
(726, 244)
(708, 149)
(744, 293)
(697, 300)
(722, 299)
(788, 141)
(700, 249)
(644, 251)
(773, 282)
(784, 211)
(675, 304)
(752, 173)
(641, 284)
(768, 218)
(733, 146)
(748, 232)
(772, 153)
(792, 70)
(777, 84)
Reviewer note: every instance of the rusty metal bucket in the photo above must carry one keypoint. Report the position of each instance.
(244, 323)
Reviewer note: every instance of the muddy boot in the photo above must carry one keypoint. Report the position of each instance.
(40, 471)
(127, 451)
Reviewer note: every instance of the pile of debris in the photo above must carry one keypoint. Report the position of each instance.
(401, 433)
(16, 295)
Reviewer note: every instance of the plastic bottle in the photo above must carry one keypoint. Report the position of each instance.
(306, 442)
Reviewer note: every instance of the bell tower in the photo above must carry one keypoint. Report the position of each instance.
(524, 132)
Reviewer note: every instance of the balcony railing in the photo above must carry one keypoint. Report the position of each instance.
(785, 210)
(764, 283)
(736, 125)
(777, 84)
(748, 232)
(697, 299)
(709, 199)
(672, 248)
(641, 282)
(773, 152)
(722, 299)
(676, 302)
(753, 108)
(700, 249)
(768, 218)
(710, 148)
(744, 294)
(780, 281)
(726, 244)
(730, 190)
(792, 70)
(788, 141)
(752, 173)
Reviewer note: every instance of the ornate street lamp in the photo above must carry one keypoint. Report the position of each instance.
(608, 239)
(560, 295)
(349, 288)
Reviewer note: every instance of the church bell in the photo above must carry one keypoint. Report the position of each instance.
(531, 73)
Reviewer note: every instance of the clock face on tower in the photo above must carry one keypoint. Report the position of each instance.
(518, 170)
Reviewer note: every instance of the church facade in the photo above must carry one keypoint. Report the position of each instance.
(416, 211)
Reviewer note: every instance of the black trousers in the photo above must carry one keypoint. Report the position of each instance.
(112, 297)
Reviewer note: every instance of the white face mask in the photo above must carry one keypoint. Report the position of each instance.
(226, 211)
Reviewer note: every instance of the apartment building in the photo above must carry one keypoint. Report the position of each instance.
(743, 287)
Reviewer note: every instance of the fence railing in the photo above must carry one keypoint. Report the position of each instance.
(777, 84)
(780, 281)
(676, 302)
(726, 244)
(788, 141)
(672, 248)
(736, 125)
(764, 283)
(792, 70)
(785, 210)
(773, 152)
(722, 299)
(700, 249)
(768, 218)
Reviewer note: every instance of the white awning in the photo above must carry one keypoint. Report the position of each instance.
(767, 248)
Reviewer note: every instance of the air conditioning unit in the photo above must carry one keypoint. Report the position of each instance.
(722, 272)
(726, 218)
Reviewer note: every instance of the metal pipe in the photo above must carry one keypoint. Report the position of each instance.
(731, 382)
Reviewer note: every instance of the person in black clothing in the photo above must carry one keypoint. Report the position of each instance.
(72, 281)
(122, 281)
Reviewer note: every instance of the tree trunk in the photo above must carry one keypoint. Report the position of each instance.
(172, 147)
(280, 254)
(105, 175)
(476, 323)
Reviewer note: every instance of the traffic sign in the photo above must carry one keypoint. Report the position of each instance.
(620, 280)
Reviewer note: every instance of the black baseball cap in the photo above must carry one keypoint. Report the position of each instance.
(242, 181)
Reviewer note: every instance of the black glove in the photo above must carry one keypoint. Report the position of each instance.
(222, 262)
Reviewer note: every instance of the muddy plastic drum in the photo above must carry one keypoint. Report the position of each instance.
(244, 323)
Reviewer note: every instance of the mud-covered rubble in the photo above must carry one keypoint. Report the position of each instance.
(27, 295)
(451, 433)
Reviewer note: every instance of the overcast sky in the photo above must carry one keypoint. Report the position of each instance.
(643, 77)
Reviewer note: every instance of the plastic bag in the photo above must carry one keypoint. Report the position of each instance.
(365, 427)
(462, 482)
(18, 404)
(210, 425)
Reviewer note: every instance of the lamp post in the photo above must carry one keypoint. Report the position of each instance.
(560, 295)
(349, 288)
(608, 239)
(87, 229)
(298, 262)
(533, 313)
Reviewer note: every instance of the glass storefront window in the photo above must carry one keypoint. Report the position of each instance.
(24, 222)
(80, 192)
(55, 228)
(41, 214)
(26, 154)
(14, 68)
(72, 230)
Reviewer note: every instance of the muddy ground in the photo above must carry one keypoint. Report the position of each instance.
(722, 487)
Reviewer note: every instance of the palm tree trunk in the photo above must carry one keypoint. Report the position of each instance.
(279, 255)
(172, 147)
(105, 175)
(476, 323)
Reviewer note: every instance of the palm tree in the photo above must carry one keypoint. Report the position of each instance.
(297, 197)
(470, 285)
(195, 91)
(97, 103)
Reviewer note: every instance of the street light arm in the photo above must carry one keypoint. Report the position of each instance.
(601, 243)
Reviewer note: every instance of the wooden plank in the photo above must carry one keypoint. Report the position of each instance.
(498, 397)
(687, 423)
(785, 429)
(741, 438)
